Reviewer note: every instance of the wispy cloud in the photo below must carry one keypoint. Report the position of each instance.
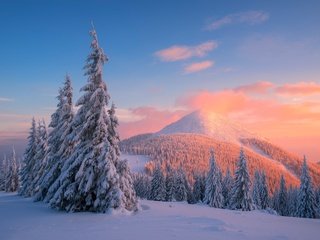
(182, 52)
(299, 89)
(259, 87)
(2, 99)
(250, 17)
(198, 66)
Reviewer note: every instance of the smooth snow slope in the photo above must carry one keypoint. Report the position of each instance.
(22, 219)
(136, 162)
(209, 124)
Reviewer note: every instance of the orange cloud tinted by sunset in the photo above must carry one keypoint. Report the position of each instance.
(258, 87)
(177, 53)
(198, 66)
(301, 88)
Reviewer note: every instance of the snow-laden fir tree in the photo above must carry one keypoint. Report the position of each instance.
(307, 206)
(181, 188)
(256, 189)
(317, 192)
(281, 198)
(264, 192)
(11, 177)
(61, 141)
(292, 201)
(142, 185)
(89, 180)
(198, 187)
(27, 175)
(40, 156)
(227, 183)
(170, 185)
(158, 186)
(128, 197)
(213, 188)
(241, 197)
(3, 171)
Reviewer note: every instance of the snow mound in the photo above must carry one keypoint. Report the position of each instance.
(209, 124)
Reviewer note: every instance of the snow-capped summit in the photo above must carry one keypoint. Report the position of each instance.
(210, 124)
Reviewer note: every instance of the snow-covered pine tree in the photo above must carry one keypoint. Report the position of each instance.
(59, 147)
(241, 197)
(11, 178)
(170, 185)
(142, 185)
(198, 187)
(264, 192)
(158, 188)
(180, 187)
(3, 171)
(27, 175)
(227, 183)
(317, 192)
(213, 188)
(256, 189)
(292, 201)
(89, 179)
(128, 198)
(281, 200)
(307, 207)
(260, 193)
(62, 141)
(40, 156)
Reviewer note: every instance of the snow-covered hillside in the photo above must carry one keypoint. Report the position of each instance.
(209, 124)
(20, 218)
(136, 162)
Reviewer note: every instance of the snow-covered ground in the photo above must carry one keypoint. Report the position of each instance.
(22, 219)
(136, 162)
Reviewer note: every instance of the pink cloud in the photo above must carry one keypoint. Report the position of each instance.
(257, 87)
(177, 53)
(250, 17)
(300, 88)
(198, 66)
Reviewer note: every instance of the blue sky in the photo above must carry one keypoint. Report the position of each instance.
(40, 41)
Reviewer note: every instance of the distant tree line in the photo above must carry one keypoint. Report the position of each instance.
(231, 192)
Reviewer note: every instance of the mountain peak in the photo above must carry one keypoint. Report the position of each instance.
(210, 124)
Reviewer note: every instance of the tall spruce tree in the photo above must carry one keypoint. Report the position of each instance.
(241, 197)
(89, 180)
(307, 207)
(40, 156)
(181, 187)
(170, 185)
(281, 202)
(3, 171)
(260, 193)
(59, 144)
(256, 189)
(158, 188)
(213, 188)
(264, 192)
(11, 177)
(227, 183)
(292, 201)
(27, 175)
(199, 187)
